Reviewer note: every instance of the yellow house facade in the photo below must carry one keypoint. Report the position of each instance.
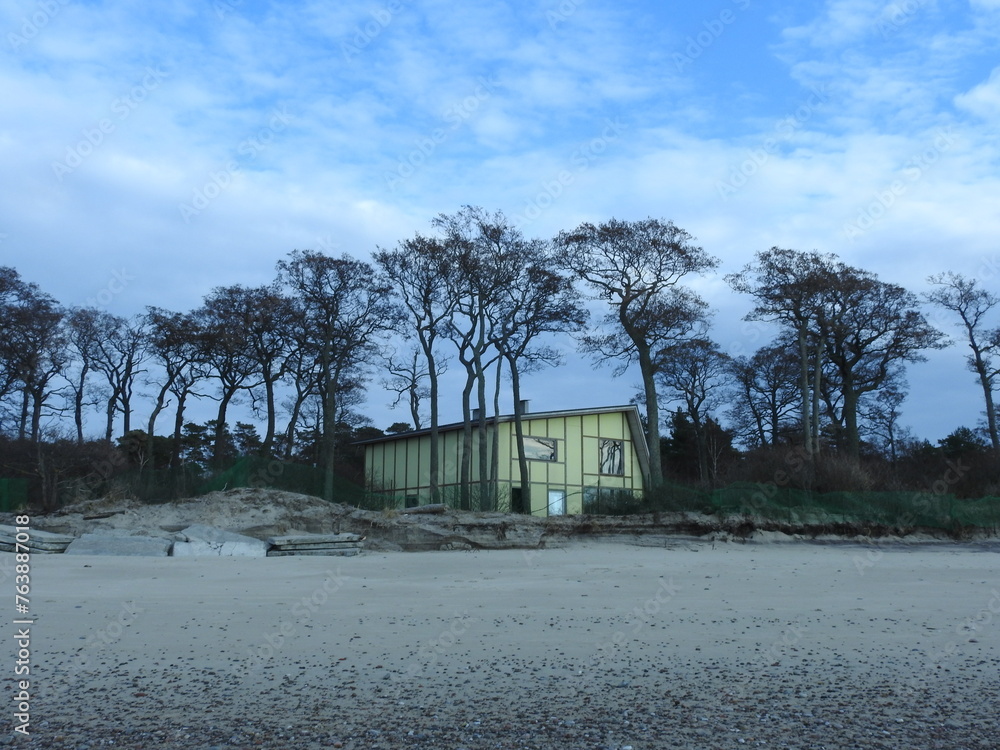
(574, 457)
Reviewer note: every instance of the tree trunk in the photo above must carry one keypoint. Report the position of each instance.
(652, 417)
(36, 414)
(852, 437)
(702, 445)
(495, 443)
(78, 403)
(175, 450)
(126, 412)
(220, 427)
(804, 393)
(157, 408)
(985, 381)
(435, 446)
(991, 417)
(817, 384)
(268, 443)
(522, 461)
(22, 424)
(484, 458)
(483, 443)
(465, 476)
(293, 420)
(111, 418)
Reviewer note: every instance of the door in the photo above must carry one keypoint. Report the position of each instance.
(557, 502)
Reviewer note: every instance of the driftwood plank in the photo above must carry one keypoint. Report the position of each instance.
(281, 541)
(338, 552)
(345, 545)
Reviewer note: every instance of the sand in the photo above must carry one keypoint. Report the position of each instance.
(590, 646)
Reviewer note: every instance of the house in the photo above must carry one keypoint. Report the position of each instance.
(574, 457)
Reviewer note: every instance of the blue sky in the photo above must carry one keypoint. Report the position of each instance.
(154, 151)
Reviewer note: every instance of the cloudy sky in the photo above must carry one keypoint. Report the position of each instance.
(152, 151)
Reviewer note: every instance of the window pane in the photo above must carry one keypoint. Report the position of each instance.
(540, 449)
(612, 456)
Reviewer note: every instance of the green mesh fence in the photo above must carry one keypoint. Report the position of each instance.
(305, 480)
(902, 510)
(13, 494)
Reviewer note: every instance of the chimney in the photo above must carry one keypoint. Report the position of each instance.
(475, 415)
(522, 406)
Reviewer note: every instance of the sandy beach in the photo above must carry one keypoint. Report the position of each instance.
(594, 645)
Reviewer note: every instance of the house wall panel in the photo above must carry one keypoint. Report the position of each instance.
(403, 465)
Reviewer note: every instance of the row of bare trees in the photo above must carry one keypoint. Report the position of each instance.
(477, 291)
(834, 374)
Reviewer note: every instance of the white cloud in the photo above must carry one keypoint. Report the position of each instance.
(983, 100)
(841, 22)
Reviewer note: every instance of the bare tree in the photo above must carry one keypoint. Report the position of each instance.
(636, 267)
(487, 250)
(119, 355)
(696, 373)
(408, 375)
(174, 342)
(225, 353)
(765, 394)
(789, 286)
(348, 310)
(33, 349)
(84, 335)
(424, 273)
(972, 304)
(540, 301)
(871, 327)
(880, 415)
(303, 369)
(268, 330)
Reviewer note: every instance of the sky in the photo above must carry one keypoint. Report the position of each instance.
(153, 151)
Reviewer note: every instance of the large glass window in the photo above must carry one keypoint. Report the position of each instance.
(610, 501)
(540, 449)
(612, 456)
